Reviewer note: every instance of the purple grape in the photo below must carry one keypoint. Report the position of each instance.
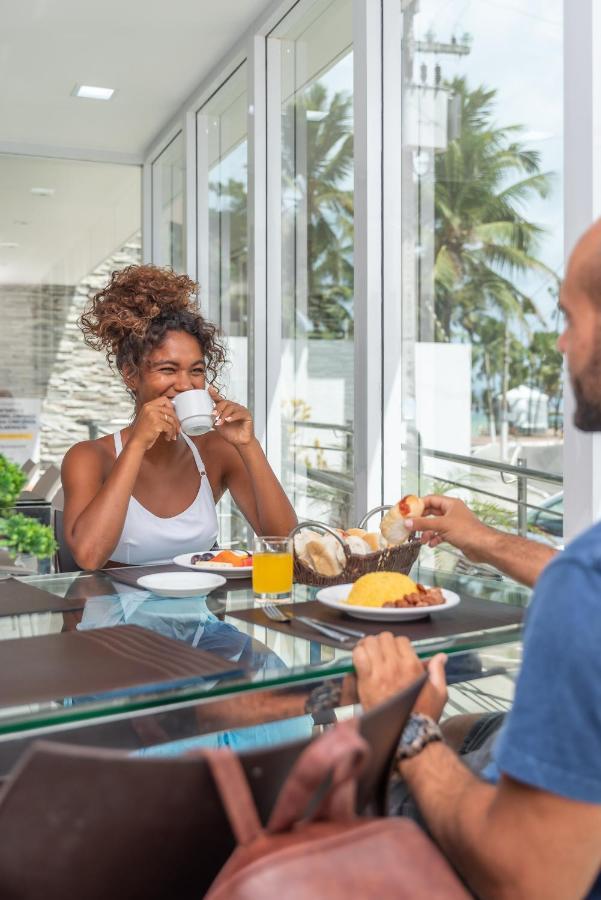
(201, 557)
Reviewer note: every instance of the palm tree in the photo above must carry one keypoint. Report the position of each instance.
(229, 212)
(483, 242)
(327, 191)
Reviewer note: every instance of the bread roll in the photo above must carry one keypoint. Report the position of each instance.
(393, 524)
(300, 544)
(357, 545)
(326, 555)
(372, 539)
(359, 541)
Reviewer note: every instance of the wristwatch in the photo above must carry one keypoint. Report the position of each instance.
(321, 702)
(419, 731)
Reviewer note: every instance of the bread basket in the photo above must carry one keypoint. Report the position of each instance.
(399, 558)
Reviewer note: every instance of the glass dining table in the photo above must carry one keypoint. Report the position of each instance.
(268, 675)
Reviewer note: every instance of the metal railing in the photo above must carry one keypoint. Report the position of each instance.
(522, 472)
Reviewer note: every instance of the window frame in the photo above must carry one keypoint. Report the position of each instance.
(378, 273)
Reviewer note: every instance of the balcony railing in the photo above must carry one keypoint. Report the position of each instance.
(521, 472)
(342, 480)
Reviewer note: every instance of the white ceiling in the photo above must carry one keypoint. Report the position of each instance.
(153, 52)
(62, 237)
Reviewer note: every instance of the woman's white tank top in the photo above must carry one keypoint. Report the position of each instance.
(147, 539)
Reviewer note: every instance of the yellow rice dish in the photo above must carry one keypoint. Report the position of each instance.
(378, 588)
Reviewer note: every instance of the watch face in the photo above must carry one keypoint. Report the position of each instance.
(413, 729)
(419, 731)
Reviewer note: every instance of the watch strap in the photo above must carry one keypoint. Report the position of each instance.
(419, 731)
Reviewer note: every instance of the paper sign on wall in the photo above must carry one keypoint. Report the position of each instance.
(20, 428)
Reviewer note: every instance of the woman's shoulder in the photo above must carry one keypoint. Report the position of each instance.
(99, 452)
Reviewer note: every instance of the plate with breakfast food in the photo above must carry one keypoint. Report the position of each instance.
(229, 563)
(388, 597)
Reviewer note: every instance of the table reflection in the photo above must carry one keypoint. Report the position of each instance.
(189, 620)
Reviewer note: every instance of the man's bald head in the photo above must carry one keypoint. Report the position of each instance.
(585, 263)
(581, 338)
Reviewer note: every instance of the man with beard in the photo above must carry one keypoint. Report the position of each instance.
(531, 827)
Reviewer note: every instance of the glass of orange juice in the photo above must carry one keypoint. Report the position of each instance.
(272, 568)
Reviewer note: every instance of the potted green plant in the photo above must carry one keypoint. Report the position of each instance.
(20, 535)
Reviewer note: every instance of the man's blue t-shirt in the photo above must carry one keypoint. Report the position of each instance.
(551, 739)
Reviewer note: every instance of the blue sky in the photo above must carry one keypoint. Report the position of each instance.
(516, 49)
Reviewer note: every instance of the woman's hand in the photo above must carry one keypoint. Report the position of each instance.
(154, 419)
(385, 665)
(233, 421)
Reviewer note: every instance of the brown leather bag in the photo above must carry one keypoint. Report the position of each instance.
(314, 846)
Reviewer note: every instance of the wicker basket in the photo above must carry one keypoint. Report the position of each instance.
(393, 559)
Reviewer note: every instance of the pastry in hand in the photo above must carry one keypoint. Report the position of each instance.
(393, 524)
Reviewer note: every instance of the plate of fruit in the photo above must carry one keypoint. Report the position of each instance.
(229, 563)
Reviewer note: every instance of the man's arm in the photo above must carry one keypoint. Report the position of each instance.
(510, 841)
(449, 519)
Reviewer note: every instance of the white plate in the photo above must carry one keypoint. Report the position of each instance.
(336, 598)
(228, 571)
(184, 609)
(181, 584)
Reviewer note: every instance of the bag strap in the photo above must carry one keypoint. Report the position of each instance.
(323, 781)
(236, 796)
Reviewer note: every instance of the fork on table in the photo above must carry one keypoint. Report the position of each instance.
(338, 633)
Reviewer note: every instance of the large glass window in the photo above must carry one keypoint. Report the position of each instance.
(223, 242)
(64, 227)
(316, 162)
(168, 206)
(482, 251)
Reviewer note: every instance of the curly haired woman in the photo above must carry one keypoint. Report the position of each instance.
(148, 492)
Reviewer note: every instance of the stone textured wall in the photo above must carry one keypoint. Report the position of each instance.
(43, 354)
(81, 387)
(32, 319)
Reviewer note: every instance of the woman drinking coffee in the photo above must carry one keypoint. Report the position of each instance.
(148, 492)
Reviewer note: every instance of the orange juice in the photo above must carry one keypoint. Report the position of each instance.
(272, 573)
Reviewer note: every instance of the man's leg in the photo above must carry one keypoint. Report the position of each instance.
(456, 729)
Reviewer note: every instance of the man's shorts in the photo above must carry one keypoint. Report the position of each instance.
(476, 750)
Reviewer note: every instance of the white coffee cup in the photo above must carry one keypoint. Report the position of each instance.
(195, 411)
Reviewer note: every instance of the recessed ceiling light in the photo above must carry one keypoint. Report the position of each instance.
(8, 245)
(42, 191)
(92, 92)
